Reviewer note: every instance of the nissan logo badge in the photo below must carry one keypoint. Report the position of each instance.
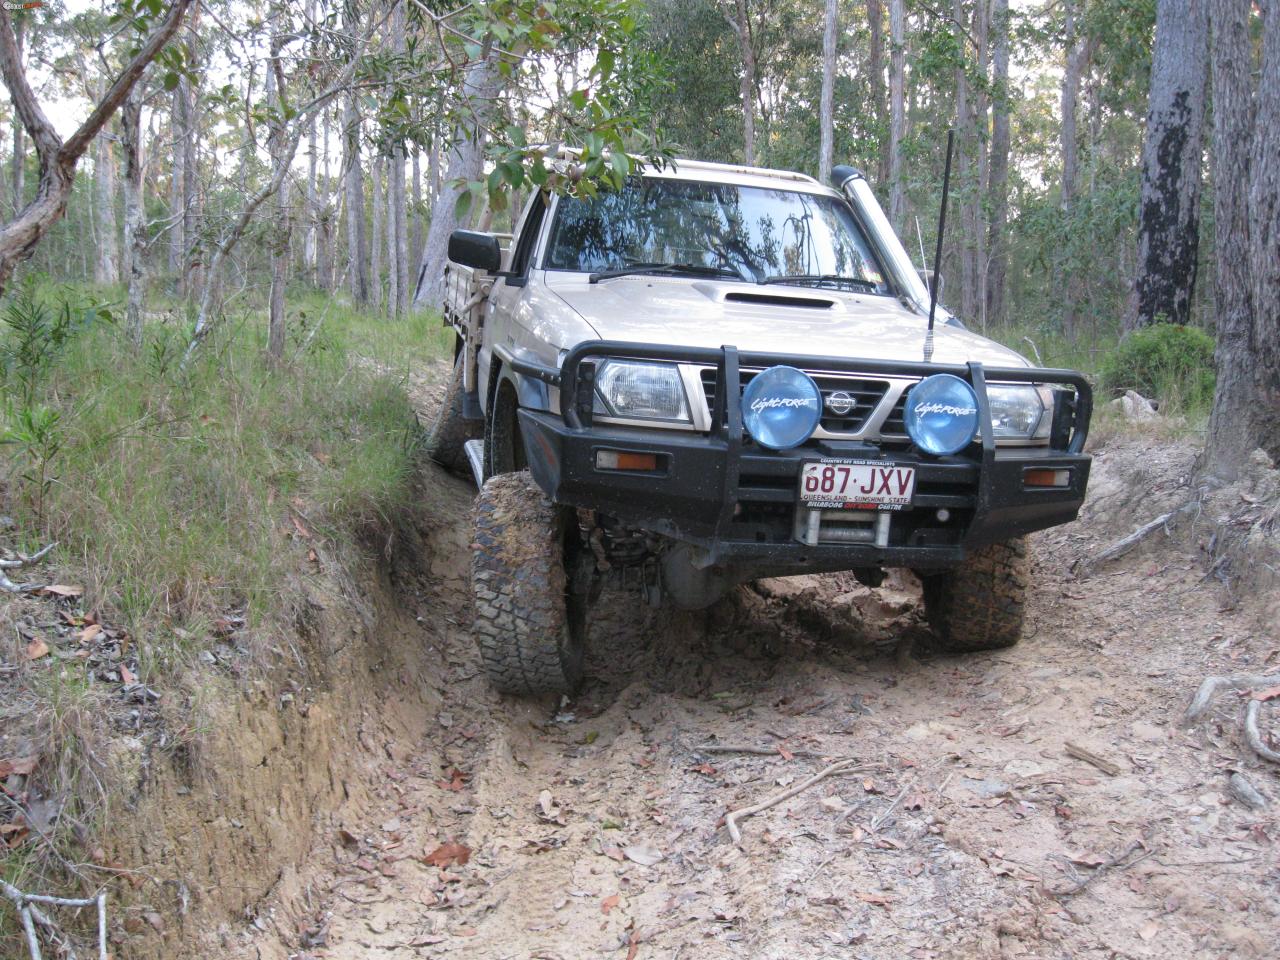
(840, 403)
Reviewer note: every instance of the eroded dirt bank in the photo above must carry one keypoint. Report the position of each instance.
(594, 828)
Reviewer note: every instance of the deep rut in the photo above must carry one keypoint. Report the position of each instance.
(592, 828)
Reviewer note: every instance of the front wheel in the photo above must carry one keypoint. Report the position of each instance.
(530, 638)
(982, 604)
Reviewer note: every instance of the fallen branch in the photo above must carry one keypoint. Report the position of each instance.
(1083, 567)
(21, 561)
(731, 819)
(1253, 736)
(1089, 757)
(1212, 685)
(1120, 861)
(756, 751)
(883, 815)
(30, 914)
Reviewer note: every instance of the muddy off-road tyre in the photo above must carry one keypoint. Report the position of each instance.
(451, 431)
(529, 641)
(980, 605)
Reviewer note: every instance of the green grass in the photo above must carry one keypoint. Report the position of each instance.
(179, 493)
(1183, 411)
(175, 489)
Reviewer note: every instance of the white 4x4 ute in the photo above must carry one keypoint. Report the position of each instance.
(714, 374)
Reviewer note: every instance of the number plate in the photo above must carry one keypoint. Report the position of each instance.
(856, 484)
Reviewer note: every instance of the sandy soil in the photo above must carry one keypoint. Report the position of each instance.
(594, 828)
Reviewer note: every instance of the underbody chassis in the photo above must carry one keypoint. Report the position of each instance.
(728, 510)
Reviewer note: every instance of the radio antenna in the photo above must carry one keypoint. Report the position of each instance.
(937, 256)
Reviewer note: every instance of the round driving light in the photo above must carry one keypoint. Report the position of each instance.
(781, 407)
(941, 414)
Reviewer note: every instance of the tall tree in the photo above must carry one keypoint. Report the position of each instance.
(740, 21)
(282, 227)
(466, 160)
(353, 183)
(1066, 279)
(397, 213)
(378, 203)
(826, 108)
(875, 70)
(897, 111)
(107, 265)
(177, 188)
(998, 171)
(1169, 215)
(1246, 175)
(135, 239)
(18, 169)
(968, 147)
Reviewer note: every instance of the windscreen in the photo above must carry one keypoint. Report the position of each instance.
(757, 233)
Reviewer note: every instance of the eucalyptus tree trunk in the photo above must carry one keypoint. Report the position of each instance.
(875, 65)
(191, 212)
(897, 111)
(433, 173)
(966, 142)
(1169, 213)
(378, 203)
(466, 162)
(397, 212)
(283, 226)
(193, 263)
(310, 256)
(998, 170)
(415, 237)
(741, 24)
(18, 170)
(135, 239)
(324, 214)
(177, 199)
(826, 110)
(1066, 273)
(106, 268)
(1246, 176)
(357, 237)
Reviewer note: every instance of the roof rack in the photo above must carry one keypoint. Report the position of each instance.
(565, 152)
(740, 168)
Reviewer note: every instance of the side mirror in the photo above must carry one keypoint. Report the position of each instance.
(473, 249)
(926, 276)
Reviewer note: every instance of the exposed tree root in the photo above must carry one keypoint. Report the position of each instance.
(1249, 721)
(1253, 736)
(1209, 689)
(1085, 566)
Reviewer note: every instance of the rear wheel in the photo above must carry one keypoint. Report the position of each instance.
(529, 632)
(450, 431)
(982, 604)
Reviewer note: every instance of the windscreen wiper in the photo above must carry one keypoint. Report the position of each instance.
(819, 278)
(697, 269)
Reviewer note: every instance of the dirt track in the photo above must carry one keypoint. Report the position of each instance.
(964, 820)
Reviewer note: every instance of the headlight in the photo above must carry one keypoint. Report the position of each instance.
(644, 391)
(1016, 410)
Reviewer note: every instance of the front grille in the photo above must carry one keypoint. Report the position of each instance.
(893, 425)
(864, 393)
